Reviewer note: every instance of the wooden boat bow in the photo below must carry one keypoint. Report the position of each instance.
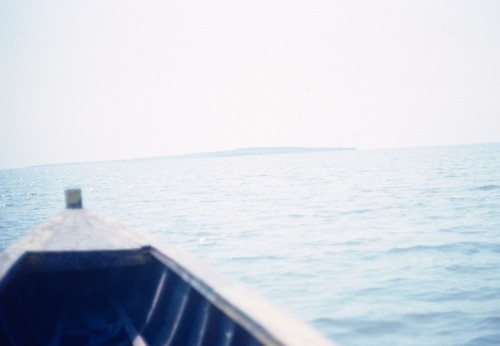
(83, 279)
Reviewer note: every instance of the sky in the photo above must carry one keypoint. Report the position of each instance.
(108, 80)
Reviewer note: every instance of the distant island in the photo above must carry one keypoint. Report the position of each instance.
(226, 153)
(258, 151)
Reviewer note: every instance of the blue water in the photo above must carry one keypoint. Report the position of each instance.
(370, 247)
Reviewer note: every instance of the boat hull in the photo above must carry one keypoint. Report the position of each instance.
(108, 297)
(82, 279)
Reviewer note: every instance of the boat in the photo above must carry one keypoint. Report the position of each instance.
(83, 279)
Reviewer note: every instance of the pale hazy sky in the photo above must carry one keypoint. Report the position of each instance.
(102, 80)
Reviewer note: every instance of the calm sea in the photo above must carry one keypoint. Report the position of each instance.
(379, 247)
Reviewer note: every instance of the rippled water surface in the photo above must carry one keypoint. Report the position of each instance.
(382, 247)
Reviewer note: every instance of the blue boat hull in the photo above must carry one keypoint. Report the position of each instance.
(122, 297)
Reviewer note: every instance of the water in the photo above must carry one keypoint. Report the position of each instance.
(381, 247)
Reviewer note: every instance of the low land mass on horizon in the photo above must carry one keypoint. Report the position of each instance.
(260, 151)
(226, 153)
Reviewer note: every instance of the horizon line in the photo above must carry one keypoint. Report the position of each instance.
(227, 153)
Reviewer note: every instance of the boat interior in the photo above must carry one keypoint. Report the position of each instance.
(123, 297)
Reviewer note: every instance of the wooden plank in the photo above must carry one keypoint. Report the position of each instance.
(206, 310)
(61, 320)
(133, 334)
